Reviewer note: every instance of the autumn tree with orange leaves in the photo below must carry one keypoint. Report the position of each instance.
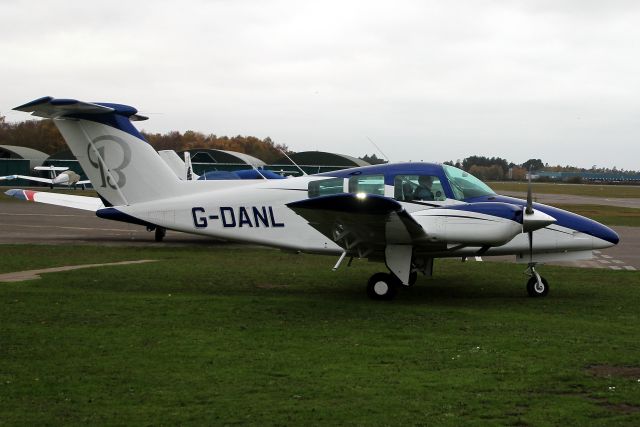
(43, 135)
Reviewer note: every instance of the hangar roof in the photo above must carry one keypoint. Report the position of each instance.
(210, 155)
(321, 158)
(35, 157)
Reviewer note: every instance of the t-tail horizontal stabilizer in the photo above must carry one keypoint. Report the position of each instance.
(122, 167)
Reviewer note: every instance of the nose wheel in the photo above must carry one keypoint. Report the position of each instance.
(537, 286)
(382, 287)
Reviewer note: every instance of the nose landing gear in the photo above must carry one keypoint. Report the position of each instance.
(537, 286)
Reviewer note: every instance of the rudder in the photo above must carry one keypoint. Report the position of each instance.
(123, 168)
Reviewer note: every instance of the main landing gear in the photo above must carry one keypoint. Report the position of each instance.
(537, 286)
(160, 232)
(382, 286)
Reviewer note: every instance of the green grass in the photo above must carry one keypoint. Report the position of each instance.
(591, 190)
(243, 336)
(609, 215)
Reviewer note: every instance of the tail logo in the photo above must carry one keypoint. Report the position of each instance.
(102, 153)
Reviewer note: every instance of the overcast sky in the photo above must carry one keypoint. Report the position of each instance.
(425, 80)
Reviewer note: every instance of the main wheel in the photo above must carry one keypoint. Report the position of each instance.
(382, 286)
(413, 278)
(160, 233)
(537, 290)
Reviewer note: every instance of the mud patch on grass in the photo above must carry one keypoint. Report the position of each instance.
(622, 408)
(21, 276)
(608, 371)
(270, 286)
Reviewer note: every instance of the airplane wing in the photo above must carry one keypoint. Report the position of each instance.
(51, 168)
(77, 202)
(29, 178)
(361, 221)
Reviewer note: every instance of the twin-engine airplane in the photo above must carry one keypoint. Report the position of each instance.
(66, 177)
(405, 215)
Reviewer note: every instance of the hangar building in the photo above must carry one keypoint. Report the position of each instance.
(208, 159)
(315, 162)
(15, 160)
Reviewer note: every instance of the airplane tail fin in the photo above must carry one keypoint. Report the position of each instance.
(122, 166)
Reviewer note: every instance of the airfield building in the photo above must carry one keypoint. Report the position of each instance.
(315, 162)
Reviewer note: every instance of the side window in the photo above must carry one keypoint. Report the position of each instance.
(418, 187)
(370, 184)
(326, 187)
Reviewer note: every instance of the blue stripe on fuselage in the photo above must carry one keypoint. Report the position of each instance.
(563, 218)
(498, 209)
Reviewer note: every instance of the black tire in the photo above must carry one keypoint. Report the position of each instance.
(160, 233)
(413, 278)
(534, 290)
(382, 287)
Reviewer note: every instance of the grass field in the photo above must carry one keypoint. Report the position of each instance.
(232, 336)
(591, 190)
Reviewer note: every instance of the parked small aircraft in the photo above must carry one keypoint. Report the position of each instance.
(405, 215)
(65, 177)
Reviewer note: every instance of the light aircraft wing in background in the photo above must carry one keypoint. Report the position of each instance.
(67, 200)
(62, 179)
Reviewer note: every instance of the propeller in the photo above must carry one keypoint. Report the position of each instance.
(533, 220)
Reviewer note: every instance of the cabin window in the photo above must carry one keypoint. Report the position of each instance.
(465, 185)
(418, 187)
(326, 187)
(370, 184)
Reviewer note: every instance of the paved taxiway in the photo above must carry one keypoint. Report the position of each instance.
(569, 199)
(23, 222)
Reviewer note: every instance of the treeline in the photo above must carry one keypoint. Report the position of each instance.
(37, 134)
(263, 149)
(43, 135)
(497, 168)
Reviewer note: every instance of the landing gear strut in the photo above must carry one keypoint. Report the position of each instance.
(537, 286)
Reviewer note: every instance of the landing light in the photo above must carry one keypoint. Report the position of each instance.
(361, 196)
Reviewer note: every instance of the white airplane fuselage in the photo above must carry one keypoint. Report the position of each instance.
(256, 212)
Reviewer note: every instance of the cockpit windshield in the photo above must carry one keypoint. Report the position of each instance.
(465, 185)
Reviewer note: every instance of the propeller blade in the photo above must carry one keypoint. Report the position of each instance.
(529, 209)
(534, 220)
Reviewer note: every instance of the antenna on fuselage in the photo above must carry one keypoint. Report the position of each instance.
(294, 163)
(255, 168)
(379, 150)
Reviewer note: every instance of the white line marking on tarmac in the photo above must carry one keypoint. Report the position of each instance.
(604, 261)
(606, 256)
(479, 258)
(596, 252)
(617, 261)
(628, 267)
(615, 267)
(32, 214)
